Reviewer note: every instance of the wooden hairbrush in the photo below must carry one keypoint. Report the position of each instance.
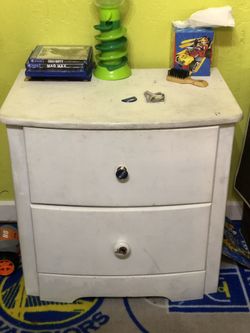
(182, 76)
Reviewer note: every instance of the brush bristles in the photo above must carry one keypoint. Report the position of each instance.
(179, 73)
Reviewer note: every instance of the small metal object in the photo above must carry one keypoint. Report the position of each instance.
(122, 174)
(154, 97)
(129, 99)
(122, 250)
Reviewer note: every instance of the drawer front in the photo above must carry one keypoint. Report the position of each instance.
(120, 241)
(164, 167)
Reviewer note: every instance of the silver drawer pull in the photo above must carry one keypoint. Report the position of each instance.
(122, 250)
(122, 174)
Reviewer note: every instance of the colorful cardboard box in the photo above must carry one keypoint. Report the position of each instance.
(193, 50)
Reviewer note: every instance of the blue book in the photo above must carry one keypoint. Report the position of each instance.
(82, 75)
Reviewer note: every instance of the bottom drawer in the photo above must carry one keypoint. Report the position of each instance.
(120, 241)
(176, 287)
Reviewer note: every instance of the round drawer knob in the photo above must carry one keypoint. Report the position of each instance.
(122, 174)
(122, 250)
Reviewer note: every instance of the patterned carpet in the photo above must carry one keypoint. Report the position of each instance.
(227, 310)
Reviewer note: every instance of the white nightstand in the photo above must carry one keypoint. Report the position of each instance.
(118, 199)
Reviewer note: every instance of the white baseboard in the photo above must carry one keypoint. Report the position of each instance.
(8, 211)
(234, 210)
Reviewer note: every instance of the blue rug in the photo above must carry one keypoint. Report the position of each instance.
(20, 313)
(233, 294)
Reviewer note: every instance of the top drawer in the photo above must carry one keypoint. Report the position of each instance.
(79, 167)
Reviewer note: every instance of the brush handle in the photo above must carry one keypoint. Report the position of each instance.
(197, 83)
(188, 80)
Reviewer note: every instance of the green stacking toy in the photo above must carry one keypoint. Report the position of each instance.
(112, 61)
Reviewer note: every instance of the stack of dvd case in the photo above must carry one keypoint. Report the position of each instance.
(60, 62)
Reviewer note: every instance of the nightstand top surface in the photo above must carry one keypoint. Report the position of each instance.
(97, 104)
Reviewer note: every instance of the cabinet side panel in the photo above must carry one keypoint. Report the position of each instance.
(24, 219)
(217, 217)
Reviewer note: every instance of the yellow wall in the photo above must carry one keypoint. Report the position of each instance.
(23, 24)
